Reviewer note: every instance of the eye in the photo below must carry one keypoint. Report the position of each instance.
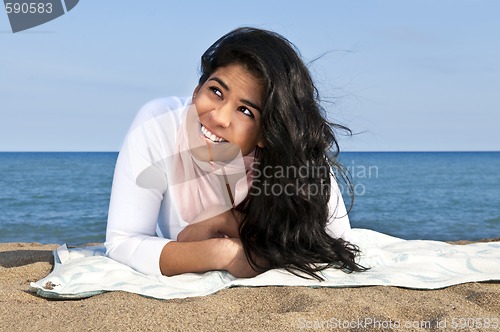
(246, 111)
(216, 91)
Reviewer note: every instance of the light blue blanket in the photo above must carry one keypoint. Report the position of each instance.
(84, 272)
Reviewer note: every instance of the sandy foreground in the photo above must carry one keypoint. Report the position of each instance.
(466, 307)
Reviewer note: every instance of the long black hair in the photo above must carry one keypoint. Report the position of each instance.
(286, 229)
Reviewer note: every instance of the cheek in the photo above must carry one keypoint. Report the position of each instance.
(202, 104)
(248, 135)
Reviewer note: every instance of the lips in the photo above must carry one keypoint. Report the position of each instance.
(211, 136)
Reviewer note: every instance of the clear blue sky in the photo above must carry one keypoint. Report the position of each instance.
(411, 75)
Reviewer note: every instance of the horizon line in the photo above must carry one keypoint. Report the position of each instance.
(342, 151)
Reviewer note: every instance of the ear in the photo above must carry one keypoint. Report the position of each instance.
(196, 90)
(260, 142)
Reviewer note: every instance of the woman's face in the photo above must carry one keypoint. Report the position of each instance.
(228, 105)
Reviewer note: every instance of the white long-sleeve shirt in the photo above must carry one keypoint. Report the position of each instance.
(142, 215)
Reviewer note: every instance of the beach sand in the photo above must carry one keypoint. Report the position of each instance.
(239, 309)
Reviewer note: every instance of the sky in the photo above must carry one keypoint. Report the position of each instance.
(404, 75)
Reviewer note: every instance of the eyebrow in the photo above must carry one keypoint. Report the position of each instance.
(244, 101)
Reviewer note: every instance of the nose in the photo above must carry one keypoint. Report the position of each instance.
(222, 115)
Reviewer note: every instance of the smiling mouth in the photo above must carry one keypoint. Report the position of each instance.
(211, 136)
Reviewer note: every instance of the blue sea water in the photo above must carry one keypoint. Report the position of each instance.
(427, 195)
(63, 197)
(52, 197)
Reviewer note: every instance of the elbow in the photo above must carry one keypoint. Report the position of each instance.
(113, 240)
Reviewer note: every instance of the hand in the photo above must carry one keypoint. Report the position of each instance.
(223, 225)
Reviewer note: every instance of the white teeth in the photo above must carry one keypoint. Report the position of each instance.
(211, 136)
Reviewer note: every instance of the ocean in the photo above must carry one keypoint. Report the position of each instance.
(63, 197)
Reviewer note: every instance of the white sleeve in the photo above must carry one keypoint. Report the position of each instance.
(338, 225)
(133, 211)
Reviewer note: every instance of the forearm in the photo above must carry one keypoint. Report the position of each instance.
(206, 255)
(199, 256)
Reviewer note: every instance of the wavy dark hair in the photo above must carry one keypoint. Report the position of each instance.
(286, 231)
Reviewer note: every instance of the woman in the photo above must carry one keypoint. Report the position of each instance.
(238, 174)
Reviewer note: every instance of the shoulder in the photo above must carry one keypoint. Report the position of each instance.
(166, 104)
(153, 132)
(160, 109)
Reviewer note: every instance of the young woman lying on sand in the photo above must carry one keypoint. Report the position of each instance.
(237, 177)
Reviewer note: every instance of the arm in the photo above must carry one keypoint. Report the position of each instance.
(206, 255)
(134, 207)
(133, 213)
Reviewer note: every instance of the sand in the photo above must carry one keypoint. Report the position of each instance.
(240, 309)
